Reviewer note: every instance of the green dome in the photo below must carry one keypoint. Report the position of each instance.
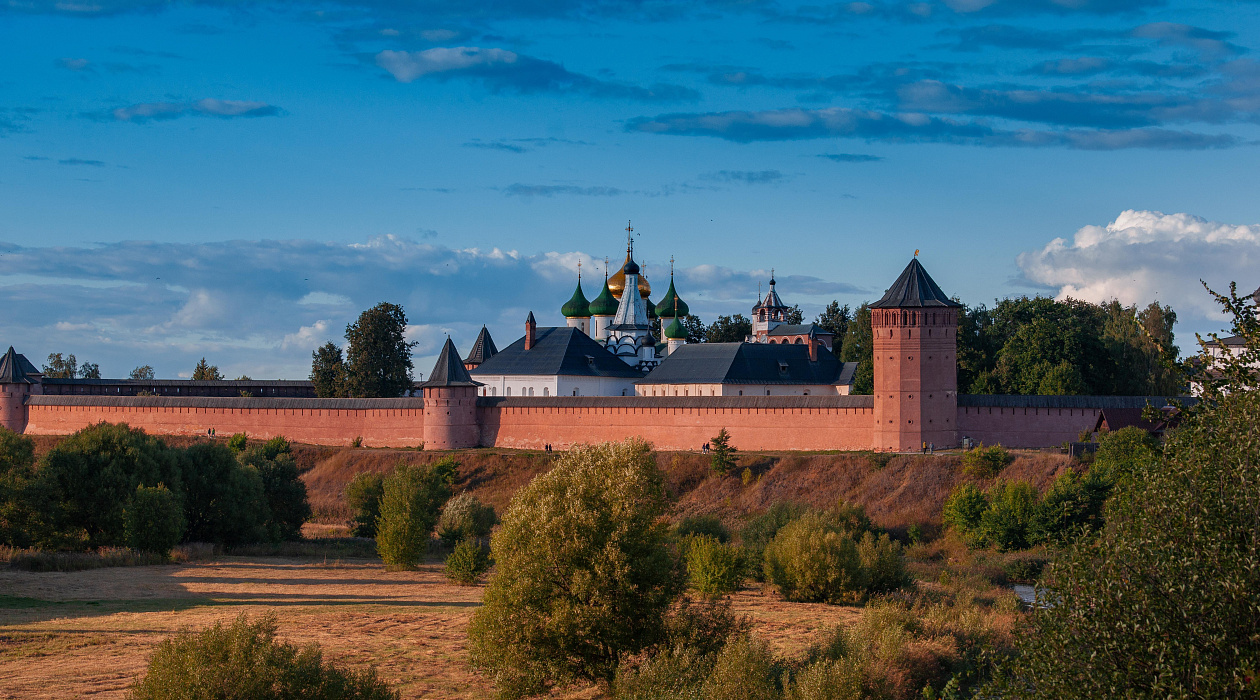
(605, 304)
(676, 331)
(576, 306)
(665, 309)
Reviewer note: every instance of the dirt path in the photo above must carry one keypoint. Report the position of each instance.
(89, 633)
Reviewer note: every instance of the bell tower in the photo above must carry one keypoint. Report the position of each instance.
(915, 332)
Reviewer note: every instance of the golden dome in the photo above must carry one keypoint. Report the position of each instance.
(617, 282)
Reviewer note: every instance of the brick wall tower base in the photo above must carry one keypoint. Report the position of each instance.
(450, 418)
(13, 406)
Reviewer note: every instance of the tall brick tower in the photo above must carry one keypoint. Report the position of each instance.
(450, 404)
(18, 379)
(915, 333)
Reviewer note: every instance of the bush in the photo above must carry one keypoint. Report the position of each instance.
(21, 518)
(883, 566)
(465, 517)
(238, 442)
(153, 520)
(1072, 506)
(224, 501)
(91, 476)
(985, 462)
(850, 518)
(829, 679)
(467, 562)
(744, 670)
(244, 662)
(1011, 507)
(965, 507)
(758, 532)
(704, 625)
(814, 563)
(709, 525)
(1126, 450)
(583, 573)
(285, 491)
(363, 496)
(410, 501)
(676, 674)
(714, 569)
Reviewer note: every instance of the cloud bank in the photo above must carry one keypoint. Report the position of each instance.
(1148, 255)
(223, 109)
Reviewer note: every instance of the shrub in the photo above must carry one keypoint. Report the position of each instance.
(704, 625)
(224, 501)
(583, 572)
(746, 477)
(744, 670)
(722, 455)
(410, 500)
(21, 518)
(363, 496)
(1072, 506)
(714, 569)
(1007, 520)
(676, 674)
(465, 517)
(963, 511)
(1024, 566)
(984, 462)
(244, 661)
(153, 520)
(709, 525)
(467, 562)
(883, 566)
(1126, 450)
(758, 532)
(829, 679)
(285, 491)
(850, 518)
(238, 442)
(814, 563)
(90, 476)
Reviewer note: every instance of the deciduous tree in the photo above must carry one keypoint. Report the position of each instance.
(728, 329)
(835, 320)
(859, 347)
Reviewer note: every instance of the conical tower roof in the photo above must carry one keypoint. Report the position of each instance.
(666, 309)
(605, 304)
(483, 348)
(14, 368)
(914, 288)
(577, 306)
(449, 371)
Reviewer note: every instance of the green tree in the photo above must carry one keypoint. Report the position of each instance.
(835, 320)
(20, 514)
(794, 315)
(411, 498)
(463, 518)
(205, 372)
(153, 520)
(363, 496)
(722, 458)
(859, 347)
(467, 562)
(378, 356)
(965, 507)
(696, 332)
(328, 372)
(976, 350)
(59, 367)
(225, 501)
(287, 506)
(91, 475)
(245, 662)
(584, 575)
(143, 372)
(89, 370)
(1163, 603)
(1009, 518)
(728, 329)
(812, 561)
(714, 569)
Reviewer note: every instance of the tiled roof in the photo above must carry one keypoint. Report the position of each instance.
(449, 370)
(747, 363)
(483, 348)
(914, 288)
(557, 351)
(15, 368)
(798, 329)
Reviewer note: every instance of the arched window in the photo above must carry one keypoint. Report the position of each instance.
(546, 391)
(798, 341)
(531, 391)
(575, 391)
(741, 392)
(507, 391)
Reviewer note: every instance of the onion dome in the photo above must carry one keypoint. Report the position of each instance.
(665, 309)
(676, 331)
(577, 306)
(604, 304)
(617, 283)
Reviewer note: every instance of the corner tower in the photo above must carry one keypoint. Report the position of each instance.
(450, 404)
(18, 380)
(915, 333)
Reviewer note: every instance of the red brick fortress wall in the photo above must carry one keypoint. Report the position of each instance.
(680, 423)
(1037, 421)
(380, 422)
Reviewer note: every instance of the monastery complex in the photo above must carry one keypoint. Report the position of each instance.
(603, 376)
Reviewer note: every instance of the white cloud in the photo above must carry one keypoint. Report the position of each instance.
(1144, 256)
(406, 66)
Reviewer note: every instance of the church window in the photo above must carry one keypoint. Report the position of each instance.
(531, 391)
(546, 391)
(575, 391)
(507, 391)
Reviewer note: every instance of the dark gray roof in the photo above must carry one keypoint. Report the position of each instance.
(193, 383)
(227, 402)
(449, 370)
(666, 402)
(914, 288)
(747, 363)
(483, 348)
(557, 350)
(15, 369)
(799, 329)
(1021, 401)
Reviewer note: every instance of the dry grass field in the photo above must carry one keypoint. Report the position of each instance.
(88, 633)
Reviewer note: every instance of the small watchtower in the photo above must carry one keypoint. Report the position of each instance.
(915, 332)
(450, 404)
(18, 380)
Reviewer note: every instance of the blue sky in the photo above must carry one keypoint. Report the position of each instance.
(239, 179)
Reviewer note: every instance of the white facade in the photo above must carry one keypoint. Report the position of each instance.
(554, 385)
(710, 389)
